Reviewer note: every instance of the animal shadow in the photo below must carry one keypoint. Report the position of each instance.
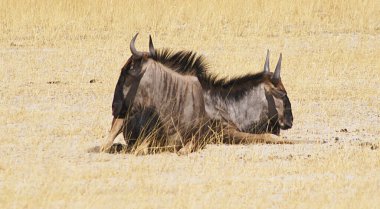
(116, 148)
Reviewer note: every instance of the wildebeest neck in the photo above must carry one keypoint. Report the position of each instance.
(176, 97)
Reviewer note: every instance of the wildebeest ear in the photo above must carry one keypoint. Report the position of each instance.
(266, 65)
(276, 76)
(151, 47)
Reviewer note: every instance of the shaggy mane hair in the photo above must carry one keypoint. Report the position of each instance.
(189, 63)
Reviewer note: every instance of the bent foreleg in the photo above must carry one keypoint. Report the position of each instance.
(117, 125)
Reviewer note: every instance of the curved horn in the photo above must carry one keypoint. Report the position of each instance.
(135, 53)
(151, 47)
(277, 71)
(266, 65)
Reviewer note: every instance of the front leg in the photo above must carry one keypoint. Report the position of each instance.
(117, 125)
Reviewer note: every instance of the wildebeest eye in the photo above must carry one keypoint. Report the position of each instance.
(133, 68)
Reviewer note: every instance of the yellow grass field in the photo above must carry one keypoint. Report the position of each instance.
(50, 112)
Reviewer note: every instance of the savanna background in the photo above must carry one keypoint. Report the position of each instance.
(60, 60)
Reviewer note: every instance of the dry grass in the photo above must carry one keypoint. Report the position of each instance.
(50, 113)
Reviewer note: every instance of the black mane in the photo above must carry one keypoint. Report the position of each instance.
(189, 63)
(183, 62)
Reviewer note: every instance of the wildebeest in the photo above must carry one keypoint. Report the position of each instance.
(176, 98)
(255, 103)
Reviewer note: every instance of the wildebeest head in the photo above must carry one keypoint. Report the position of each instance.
(129, 79)
(278, 102)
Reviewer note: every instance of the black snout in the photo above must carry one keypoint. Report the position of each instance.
(287, 122)
(287, 125)
(288, 115)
